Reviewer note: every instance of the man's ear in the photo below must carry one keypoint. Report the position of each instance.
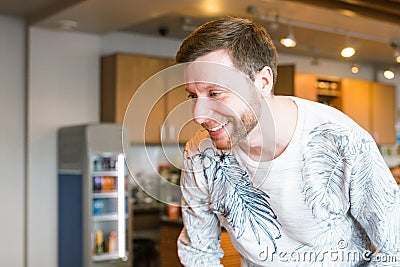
(265, 81)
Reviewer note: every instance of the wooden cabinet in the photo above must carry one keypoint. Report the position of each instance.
(305, 86)
(285, 80)
(231, 256)
(383, 113)
(168, 250)
(121, 76)
(325, 90)
(356, 101)
(372, 106)
(178, 122)
(168, 247)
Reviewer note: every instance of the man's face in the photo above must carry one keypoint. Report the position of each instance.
(224, 103)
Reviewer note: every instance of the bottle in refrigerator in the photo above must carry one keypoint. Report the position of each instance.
(99, 242)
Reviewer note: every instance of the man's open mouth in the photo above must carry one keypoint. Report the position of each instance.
(217, 128)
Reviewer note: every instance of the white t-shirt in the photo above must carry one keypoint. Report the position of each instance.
(328, 200)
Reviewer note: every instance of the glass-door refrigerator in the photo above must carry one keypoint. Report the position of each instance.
(93, 199)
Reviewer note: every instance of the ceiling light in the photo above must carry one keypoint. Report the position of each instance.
(348, 12)
(397, 56)
(355, 68)
(290, 40)
(396, 53)
(211, 7)
(67, 25)
(187, 24)
(348, 51)
(252, 9)
(388, 74)
(274, 25)
(315, 61)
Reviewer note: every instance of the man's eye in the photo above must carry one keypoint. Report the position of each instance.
(214, 94)
(192, 96)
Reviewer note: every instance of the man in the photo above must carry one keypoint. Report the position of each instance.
(293, 182)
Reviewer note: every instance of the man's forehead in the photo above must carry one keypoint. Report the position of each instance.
(214, 73)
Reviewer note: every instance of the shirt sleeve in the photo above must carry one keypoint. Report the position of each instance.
(199, 241)
(375, 203)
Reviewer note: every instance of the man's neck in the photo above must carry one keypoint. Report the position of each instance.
(272, 135)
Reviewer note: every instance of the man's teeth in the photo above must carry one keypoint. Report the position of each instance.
(217, 127)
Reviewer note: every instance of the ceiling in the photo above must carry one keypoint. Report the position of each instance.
(321, 27)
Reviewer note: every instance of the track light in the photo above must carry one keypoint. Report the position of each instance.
(348, 50)
(388, 74)
(396, 53)
(274, 25)
(67, 25)
(314, 61)
(290, 40)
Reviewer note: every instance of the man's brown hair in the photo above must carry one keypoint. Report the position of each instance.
(248, 44)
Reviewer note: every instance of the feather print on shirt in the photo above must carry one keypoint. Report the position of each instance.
(342, 169)
(327, 162)
(234, 197)
(323, 174)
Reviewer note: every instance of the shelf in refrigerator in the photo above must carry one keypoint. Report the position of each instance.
(112, 194)
(107, 217)
(105, 173)
(106, 256)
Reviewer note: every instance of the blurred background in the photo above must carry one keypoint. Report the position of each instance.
(52, 59)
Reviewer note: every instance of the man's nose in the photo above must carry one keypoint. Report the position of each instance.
(202, 110)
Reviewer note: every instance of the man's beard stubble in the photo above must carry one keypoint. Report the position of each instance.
(241, 128)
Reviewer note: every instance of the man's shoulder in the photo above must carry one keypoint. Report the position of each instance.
(321, 119)
(318, 113)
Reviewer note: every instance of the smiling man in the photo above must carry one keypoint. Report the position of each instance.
(223, 102)
(293, 182)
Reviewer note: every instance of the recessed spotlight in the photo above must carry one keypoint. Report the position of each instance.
(348, 12)
(396, 55)
(388, 74)
(67, 25)
(315, 61)
(355, 68)
(396, 52)
(289, 41)
(348, 51)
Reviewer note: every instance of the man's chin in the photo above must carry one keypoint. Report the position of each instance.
(222, 145)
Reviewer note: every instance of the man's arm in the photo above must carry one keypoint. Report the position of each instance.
(375, 201)
(199, 241)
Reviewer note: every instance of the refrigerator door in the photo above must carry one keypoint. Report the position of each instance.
(94, 216)
(109, 198)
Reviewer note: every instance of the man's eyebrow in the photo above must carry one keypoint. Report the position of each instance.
(215, 86)
(209, 87)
